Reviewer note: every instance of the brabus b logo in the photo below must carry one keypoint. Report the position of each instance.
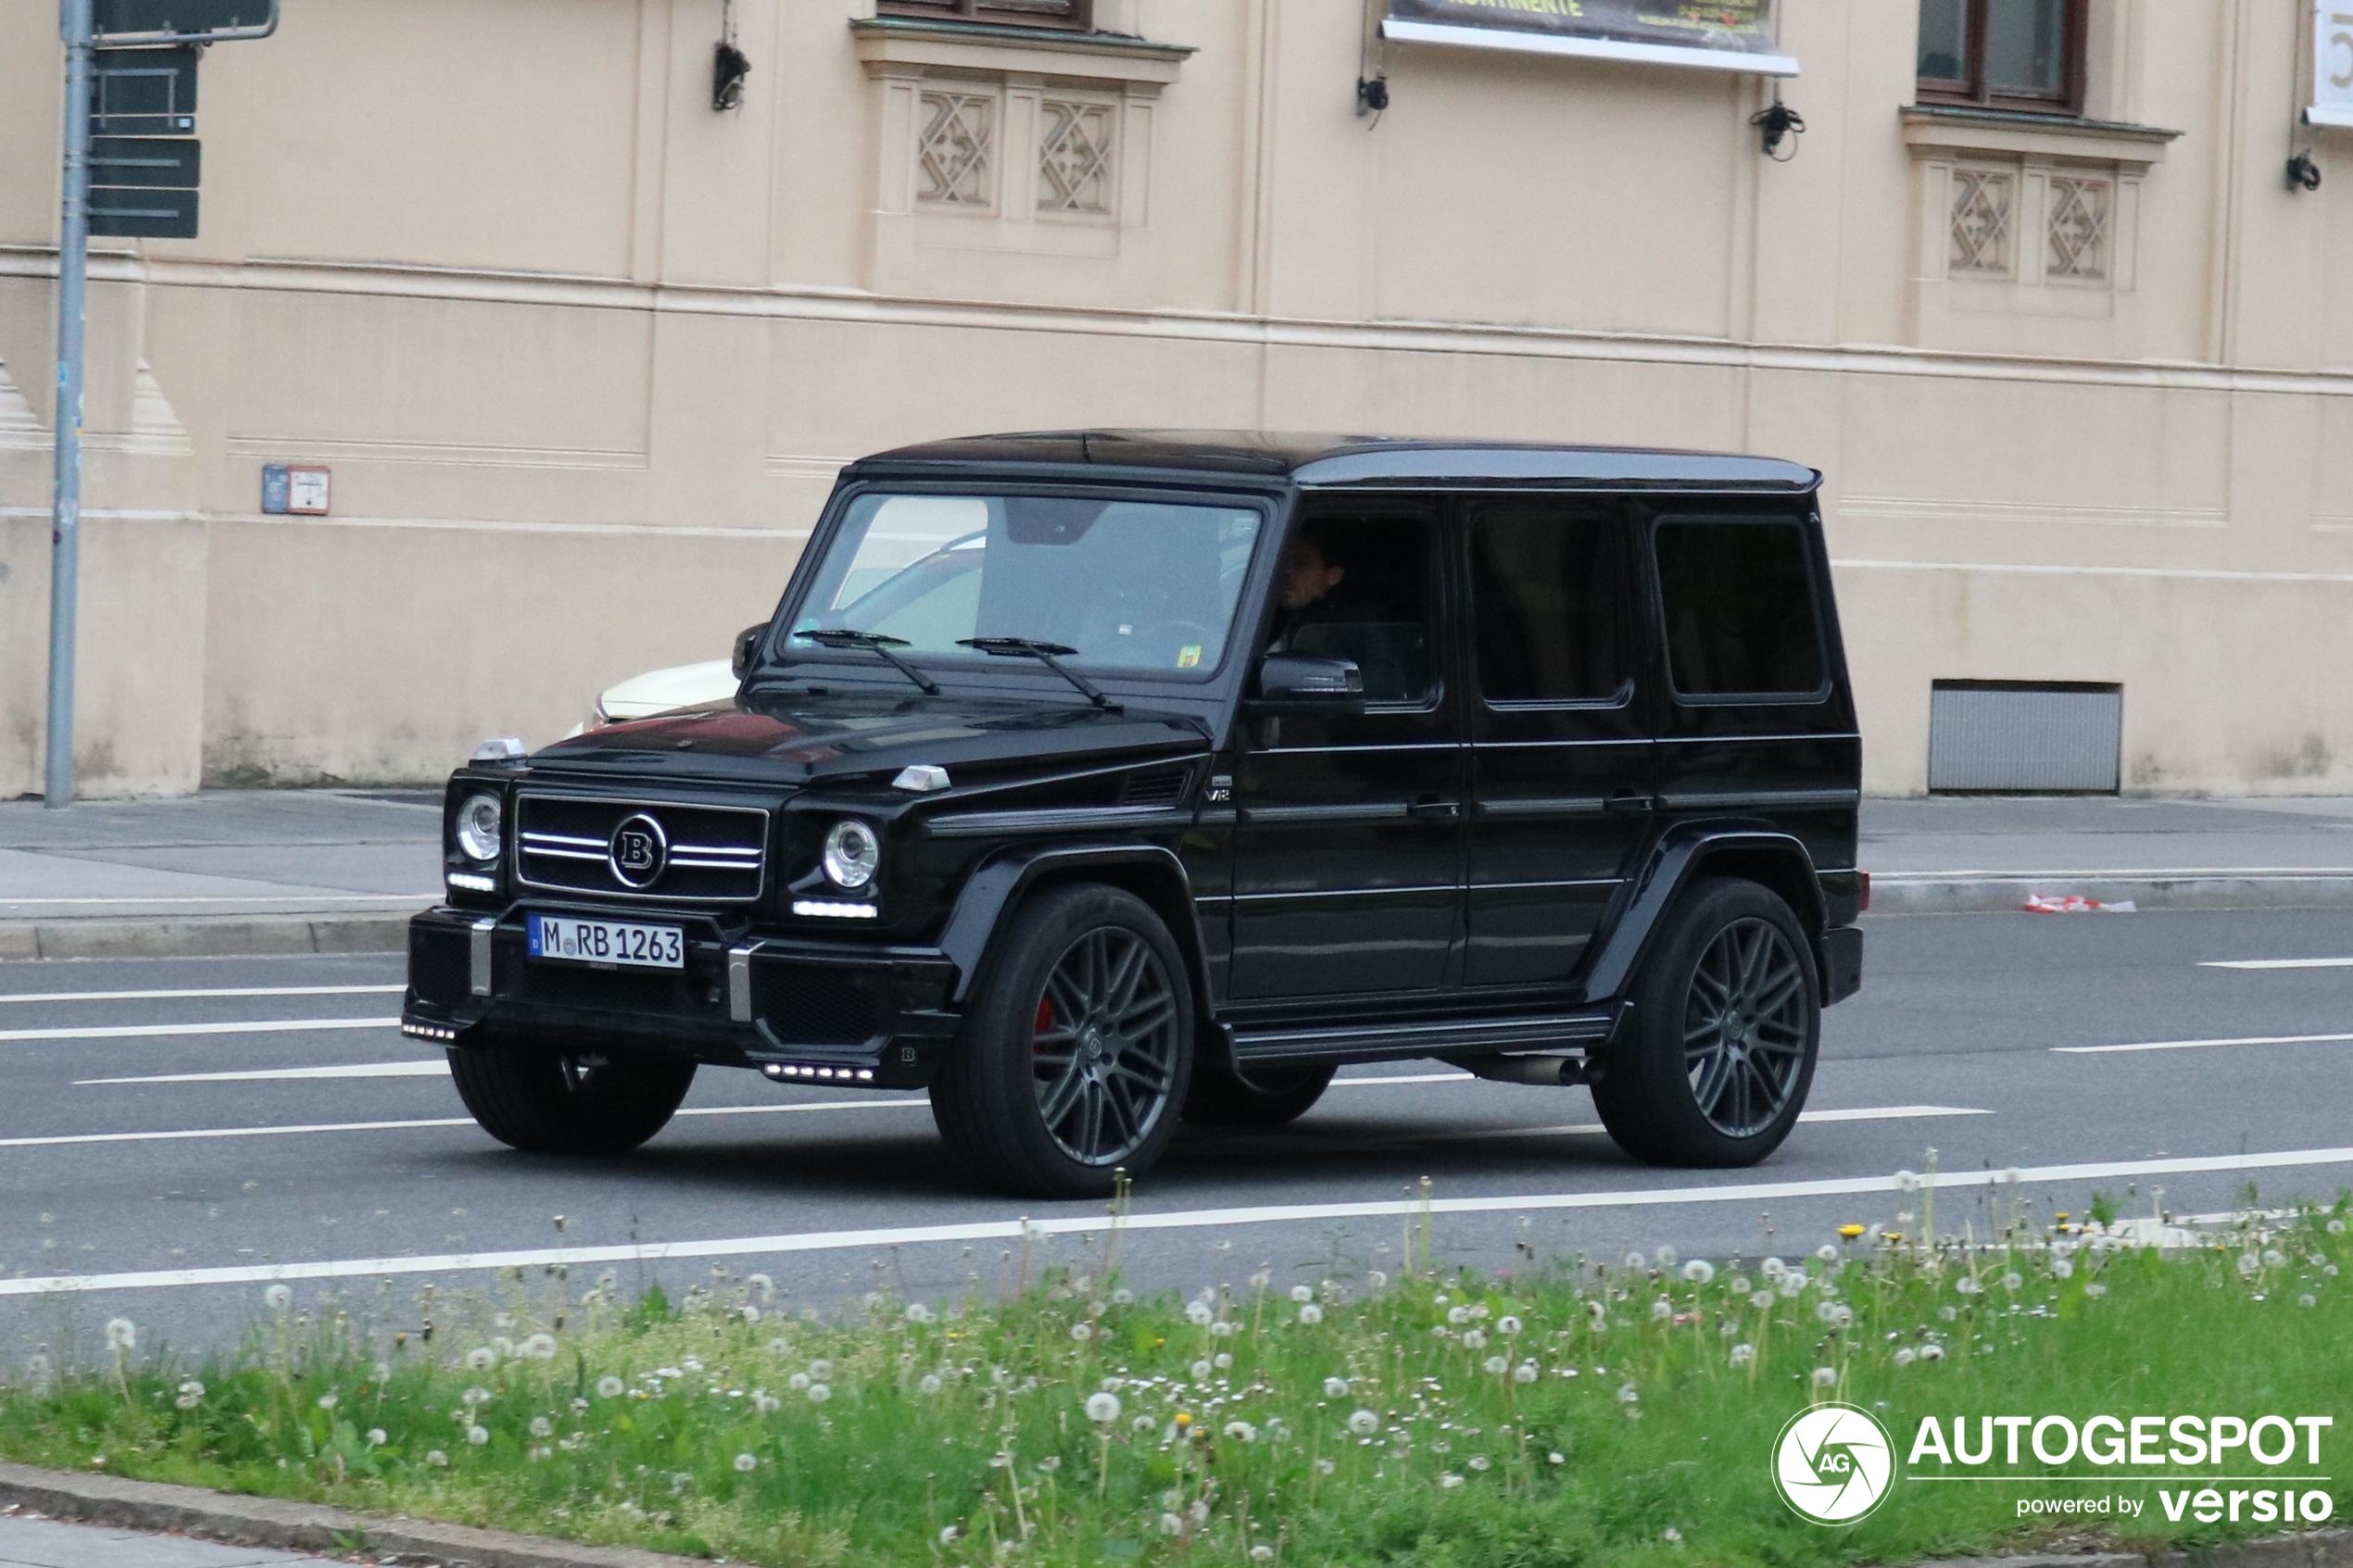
(1834, 1463)
(638, 851)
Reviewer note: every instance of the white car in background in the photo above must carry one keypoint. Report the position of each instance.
(658, 691)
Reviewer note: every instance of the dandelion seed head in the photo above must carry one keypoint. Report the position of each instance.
(1497, 1365)
(435, 1458)
(1825, 1376)
(1699, 1271)
(1743, 1354)
(1311, 1314)
(1475, 1339)
(610, 1387)
(819, 1393)
(1103, 1407)
(1364, 1423)
(1905, 1356)
(1335, 1387)
(277, 1298)
(481, 1358)
(477, 1436)
(1450, 1481)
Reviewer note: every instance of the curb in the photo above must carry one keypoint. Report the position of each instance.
(1933, 893)
(180, 936)
(300, 1526)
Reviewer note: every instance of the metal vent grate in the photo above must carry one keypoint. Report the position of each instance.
(1156, 786)
(2048, 737)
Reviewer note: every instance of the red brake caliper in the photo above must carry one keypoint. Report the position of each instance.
(1044, 1019)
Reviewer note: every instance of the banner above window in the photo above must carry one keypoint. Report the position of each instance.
(1735, 35)
(2331, 66)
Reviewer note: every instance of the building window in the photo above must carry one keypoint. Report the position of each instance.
(2025, 55)
(1073, 155)
(953, 153)
(1077, 15)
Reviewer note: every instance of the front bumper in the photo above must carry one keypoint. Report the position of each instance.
(828, 1012)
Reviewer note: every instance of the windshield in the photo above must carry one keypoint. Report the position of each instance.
(1130, 586)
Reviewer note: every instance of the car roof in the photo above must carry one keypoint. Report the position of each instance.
(1346, 461)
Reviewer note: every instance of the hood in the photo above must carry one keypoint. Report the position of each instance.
(795, 736)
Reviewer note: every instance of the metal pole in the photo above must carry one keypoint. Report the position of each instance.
(65, 533)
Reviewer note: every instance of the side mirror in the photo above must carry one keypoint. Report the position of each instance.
(746, 645)
(1303, 682)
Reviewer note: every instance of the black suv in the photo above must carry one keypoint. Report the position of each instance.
(1094, 780)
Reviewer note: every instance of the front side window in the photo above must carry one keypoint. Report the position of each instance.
(1358, 587)
(1132, 586)
(1737, 595)
(1548, 605)
(2023, 54)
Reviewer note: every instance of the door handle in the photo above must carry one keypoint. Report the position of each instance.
(1629, 800)
(1434, 808)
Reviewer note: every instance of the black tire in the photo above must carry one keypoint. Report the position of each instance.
(1091, 969)
(1264, 1096)
(546, 1099)
(1727, 1025)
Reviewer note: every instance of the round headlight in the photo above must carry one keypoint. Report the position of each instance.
(478, 827)
(852, 854)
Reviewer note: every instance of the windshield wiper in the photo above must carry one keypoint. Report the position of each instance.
(1045, 653)
(873, 642)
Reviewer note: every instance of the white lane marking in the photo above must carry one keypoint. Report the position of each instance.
(2277, 963)
(307, 900)
(1194, 1219)
(435, 1069)
(219, 991)
(348, 1070)
(1864, 1114)
(178, 1135)
(166, 1031)
(2157, 873)
(2198, 1045)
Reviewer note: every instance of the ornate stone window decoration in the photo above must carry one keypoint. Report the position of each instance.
(1075, 156)
(2029, 229)
(1982, 201)
(955, 147)
(2079, 209)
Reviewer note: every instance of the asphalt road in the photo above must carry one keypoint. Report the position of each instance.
(138, 1137)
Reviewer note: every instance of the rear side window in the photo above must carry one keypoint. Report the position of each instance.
(1738, 603)
(1548, 600)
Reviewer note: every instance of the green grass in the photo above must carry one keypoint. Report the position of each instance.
(1625, 1425)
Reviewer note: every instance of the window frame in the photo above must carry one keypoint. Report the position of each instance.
(1762, 516)
(1974, 91)
(1079, 16)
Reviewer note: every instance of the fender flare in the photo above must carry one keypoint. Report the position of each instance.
(999, 884)
(1681, 854)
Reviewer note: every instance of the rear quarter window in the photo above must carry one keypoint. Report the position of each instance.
(1737, 597)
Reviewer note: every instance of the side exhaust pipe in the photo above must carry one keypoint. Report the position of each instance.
(1548, 1071)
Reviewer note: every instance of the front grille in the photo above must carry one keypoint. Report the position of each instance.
(815, 1004)
(710, 853)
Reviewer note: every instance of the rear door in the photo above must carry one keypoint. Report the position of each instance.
(1561, 750)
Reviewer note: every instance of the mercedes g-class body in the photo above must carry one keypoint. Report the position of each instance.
(1096, 781)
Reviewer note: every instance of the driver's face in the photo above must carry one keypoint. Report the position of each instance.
(1306, 576)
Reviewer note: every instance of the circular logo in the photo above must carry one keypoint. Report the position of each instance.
(1834, 1463)
(639, 852)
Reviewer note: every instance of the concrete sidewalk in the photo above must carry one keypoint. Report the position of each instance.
(223, 871)
(1992, 853)
(235, 871)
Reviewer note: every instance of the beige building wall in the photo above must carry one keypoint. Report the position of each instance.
(584, 353)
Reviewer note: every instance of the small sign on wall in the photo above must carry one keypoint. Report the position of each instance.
(290, 488)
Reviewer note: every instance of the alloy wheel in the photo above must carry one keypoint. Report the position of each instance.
(1744, 1027)
(1104, 1046)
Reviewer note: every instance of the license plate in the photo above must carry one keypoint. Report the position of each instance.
(606, 942)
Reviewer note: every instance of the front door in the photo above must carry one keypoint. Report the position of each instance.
(1348, 837)
(1561, 750)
